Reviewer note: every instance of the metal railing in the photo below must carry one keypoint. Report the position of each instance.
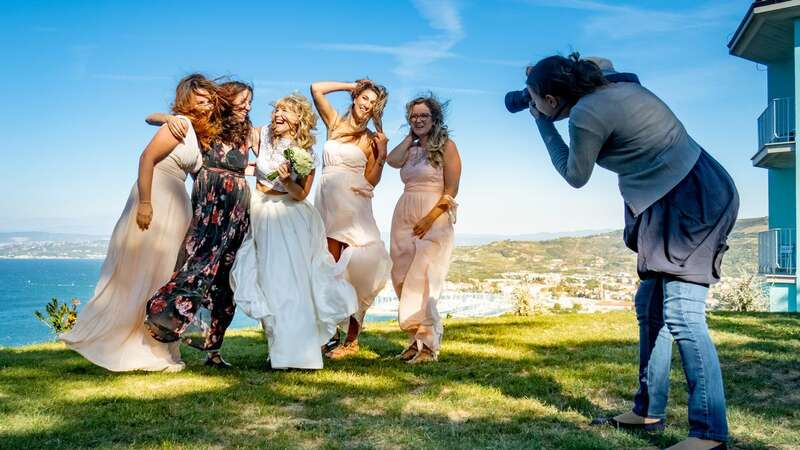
(776, 252)
(776, 123)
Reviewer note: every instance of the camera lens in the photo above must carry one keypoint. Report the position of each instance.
(517, 101)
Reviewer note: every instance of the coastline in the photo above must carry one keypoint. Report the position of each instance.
(76, 258)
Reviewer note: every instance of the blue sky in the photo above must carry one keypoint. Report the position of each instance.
(79, 77)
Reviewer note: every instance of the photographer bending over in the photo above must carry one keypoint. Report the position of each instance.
(680, 206)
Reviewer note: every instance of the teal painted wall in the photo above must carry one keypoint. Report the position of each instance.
(780, 79)
(781, 188)
(782, 297)
(791, 301)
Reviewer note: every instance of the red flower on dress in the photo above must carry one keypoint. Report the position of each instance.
(228, 184)
(157, 305)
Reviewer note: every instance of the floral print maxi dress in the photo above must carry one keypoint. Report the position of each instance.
(198, 297)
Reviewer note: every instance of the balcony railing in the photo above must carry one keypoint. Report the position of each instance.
(776, 123)
(776, 252)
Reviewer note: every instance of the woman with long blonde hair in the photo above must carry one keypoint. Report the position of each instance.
(284, 275)
(353, 163)
(422, 225)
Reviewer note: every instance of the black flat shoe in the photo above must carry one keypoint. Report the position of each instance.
(649, 427)
(218, 362)
(722, 446)
(332, 343)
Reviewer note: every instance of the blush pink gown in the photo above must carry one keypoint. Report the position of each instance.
(344, 201)
(419, 265)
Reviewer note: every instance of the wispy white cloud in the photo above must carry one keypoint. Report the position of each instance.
(498, 62)
(412, 57)
(80, 56)
(128, 77)
(281, 84)
(458, 90)
(623, 21)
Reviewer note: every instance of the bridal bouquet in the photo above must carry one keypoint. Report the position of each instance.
(300, 160)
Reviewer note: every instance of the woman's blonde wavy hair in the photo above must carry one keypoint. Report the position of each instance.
(439, 134)
(377, 112)
(299, 105)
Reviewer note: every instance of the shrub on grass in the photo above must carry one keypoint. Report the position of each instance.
(59, 317)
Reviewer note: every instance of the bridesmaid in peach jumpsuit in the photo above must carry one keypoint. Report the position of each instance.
(422, 225)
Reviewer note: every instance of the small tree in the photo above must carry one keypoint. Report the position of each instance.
(59, 317)
(525, 304)
(746, 295)
(522, 299)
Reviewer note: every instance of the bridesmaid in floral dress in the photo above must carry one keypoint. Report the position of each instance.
(199, 297)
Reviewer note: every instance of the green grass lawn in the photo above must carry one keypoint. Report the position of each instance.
(508, 382)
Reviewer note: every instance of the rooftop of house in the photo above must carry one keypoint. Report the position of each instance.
(766, 32)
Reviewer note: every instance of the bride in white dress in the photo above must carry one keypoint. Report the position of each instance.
(283, 275)
(144, 246)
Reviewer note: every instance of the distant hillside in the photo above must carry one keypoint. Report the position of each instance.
(601, 253)
(43, 236)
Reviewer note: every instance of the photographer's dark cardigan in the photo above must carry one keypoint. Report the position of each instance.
(680, 203)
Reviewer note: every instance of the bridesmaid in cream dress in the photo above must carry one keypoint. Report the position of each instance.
(283, 274)
(422, 225)
(353, 163)
(144, 246)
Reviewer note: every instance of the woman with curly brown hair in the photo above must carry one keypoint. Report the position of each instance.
(422, 225)
(353, 163)
(146, 240)
(198, 298)
(284, 275)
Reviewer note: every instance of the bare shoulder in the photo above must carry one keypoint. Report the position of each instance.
(450, 148)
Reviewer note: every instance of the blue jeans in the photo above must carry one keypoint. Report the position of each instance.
(669, 309)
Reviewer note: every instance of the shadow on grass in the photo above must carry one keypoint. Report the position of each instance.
(370, 400)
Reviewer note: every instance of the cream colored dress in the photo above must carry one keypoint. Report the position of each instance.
(284, 275)
(344, 201)
(419, 265)
(110, 329)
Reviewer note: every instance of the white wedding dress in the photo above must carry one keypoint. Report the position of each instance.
(284, 275)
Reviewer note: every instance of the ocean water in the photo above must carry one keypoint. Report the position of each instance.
(26, 285)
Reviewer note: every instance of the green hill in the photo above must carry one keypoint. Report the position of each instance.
(602, 253)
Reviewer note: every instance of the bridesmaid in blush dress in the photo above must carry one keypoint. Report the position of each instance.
(422, 225)
(353, 159)
(145, 243)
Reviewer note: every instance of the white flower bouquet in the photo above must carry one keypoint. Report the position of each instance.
(300, 160)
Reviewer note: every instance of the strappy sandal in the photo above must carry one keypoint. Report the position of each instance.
(426, 355)
(216, 360)
(408, 354)
(344, 350)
